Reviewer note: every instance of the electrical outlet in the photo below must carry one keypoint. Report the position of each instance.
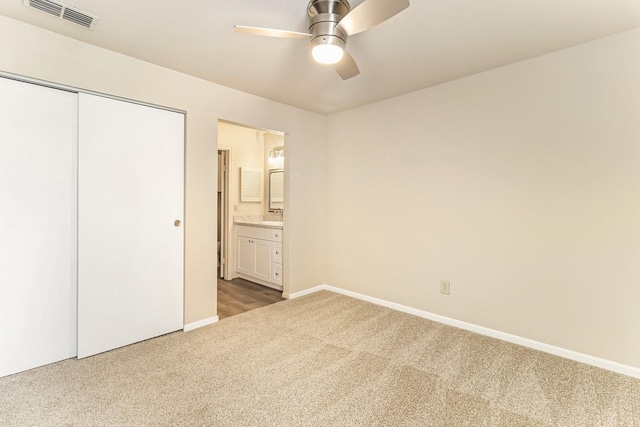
(445, 287)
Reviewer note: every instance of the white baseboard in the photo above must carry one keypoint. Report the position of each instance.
(311, 291)
(200, 323)
(525, 342)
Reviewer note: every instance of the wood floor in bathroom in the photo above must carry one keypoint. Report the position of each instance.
(238, 295)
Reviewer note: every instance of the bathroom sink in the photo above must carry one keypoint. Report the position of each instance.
(276, 223)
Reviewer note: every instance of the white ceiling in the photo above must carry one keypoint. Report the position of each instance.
(432, 42)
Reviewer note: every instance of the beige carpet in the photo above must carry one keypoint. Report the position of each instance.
(321, 360)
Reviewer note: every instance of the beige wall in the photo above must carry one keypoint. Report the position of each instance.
(32, 52)
(520, 185)
(247, 150)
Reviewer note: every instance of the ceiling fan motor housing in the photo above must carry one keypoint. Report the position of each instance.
(324, 16)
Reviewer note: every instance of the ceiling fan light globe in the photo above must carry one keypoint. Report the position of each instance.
(327, 53)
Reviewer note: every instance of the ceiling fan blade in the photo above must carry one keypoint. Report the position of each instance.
(257, 31)
(371, 13)
(347, 67)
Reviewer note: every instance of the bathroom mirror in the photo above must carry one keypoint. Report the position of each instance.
(276, 189)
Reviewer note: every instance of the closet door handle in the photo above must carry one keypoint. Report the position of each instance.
(177, 223)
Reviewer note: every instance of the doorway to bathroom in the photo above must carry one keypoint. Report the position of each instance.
(251, 180)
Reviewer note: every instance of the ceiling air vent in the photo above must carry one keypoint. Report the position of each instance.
(64, 11)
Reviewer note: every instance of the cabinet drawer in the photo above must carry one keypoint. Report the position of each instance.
(276, 252)
(255, 232)
(276, 235)
(276, 274)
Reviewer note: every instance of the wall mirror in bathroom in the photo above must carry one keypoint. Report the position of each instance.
(276, 189)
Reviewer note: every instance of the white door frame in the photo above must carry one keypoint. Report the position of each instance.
(225, 213)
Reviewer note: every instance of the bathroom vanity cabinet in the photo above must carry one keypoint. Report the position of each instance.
(259, 254)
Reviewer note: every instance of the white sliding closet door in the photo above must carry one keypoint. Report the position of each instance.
(130, 252)
(38, 141)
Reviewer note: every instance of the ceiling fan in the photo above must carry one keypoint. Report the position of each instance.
(331, 22)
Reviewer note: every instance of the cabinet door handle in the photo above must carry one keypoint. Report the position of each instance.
(277, 253)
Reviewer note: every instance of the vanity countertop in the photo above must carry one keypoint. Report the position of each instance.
(260, 223)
